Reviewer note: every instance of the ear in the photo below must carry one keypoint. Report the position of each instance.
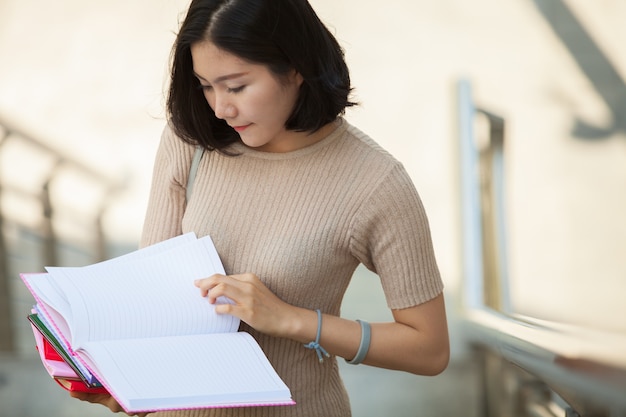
(297, 78)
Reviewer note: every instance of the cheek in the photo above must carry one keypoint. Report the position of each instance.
(288, 100)
(209, 99)
(256, 105)
(277, 103)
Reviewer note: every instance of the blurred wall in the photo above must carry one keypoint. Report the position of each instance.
(89, 76)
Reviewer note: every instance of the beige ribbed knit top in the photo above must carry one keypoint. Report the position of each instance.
(302, 221)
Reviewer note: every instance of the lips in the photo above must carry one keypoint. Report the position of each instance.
(240, 129)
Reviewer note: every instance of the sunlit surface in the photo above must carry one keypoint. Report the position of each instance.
(88, 78)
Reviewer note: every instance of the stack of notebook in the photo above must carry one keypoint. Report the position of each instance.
(137, 328)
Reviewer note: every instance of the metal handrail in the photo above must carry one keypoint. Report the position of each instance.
(491, 165)
(578, 363)
(62, 159)
(7, 342)
(472, 234)
(483, 211)
(43, 196)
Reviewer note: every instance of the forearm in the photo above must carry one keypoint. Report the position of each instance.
(399, 346)
(417, 341)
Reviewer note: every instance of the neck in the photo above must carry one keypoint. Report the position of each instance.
(299, 140)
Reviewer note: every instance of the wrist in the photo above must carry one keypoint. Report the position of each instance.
(315, 344)
(302, 325)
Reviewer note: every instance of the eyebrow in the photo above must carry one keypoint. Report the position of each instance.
(222, 78)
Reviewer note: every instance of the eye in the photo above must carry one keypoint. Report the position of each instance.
(205, 88)
(236, 90)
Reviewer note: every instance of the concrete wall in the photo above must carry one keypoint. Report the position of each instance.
(89, 76)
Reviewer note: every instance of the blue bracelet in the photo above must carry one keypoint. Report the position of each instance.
(366, 335)
(316, 343)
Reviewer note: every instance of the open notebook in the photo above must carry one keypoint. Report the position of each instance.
(139, 325)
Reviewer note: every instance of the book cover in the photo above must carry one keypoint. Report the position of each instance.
(55, 358)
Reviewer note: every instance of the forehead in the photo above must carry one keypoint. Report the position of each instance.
(211, 62)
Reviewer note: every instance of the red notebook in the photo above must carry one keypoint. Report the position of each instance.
(58, 369)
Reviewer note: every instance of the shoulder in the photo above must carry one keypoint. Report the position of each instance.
(173, 144)
(368, 159)
(381, 179)
(173, 155)
(364, 145)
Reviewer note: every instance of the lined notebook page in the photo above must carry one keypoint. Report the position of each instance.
(53, 305)
(188, 372)
(152, 249)
(67, 347)
(145, 296)
(51, 302)
(143, 322)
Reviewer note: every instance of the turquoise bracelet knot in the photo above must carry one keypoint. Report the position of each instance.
(315, 344)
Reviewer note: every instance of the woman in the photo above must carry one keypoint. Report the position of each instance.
(295, 198)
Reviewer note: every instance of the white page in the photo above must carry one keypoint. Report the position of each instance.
(51, 302)
(52, 308)
(144, 297)
(151, 250)
(55, 330)
(187, 372)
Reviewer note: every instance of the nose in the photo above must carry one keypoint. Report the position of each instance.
(223, 108)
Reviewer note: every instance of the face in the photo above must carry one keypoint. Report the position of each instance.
(249, 97)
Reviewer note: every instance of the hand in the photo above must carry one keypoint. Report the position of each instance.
(253, 302)
(105, 399)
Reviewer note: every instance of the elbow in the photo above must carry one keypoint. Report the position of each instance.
(432, 364)
(438, 363)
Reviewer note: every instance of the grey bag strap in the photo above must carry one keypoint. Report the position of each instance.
(195, 162)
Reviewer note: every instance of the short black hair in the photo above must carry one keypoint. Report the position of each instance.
(283, 35)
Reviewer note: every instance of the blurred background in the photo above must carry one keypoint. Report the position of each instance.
(442, 85)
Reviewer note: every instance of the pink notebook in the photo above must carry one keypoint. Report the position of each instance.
(58, 369)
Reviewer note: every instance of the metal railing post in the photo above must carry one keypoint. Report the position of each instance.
(49, 239)
(470, 195)
(482, 192)
(46, 232)
(492, 209)
(7, 341)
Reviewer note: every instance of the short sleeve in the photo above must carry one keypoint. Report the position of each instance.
(391, 237)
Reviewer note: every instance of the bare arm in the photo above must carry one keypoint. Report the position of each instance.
(416, 341)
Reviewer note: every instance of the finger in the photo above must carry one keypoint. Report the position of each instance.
(79, 395)
(205, 284)
(227, 290)
(215, 287)
(92, 398)
(227, 308)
